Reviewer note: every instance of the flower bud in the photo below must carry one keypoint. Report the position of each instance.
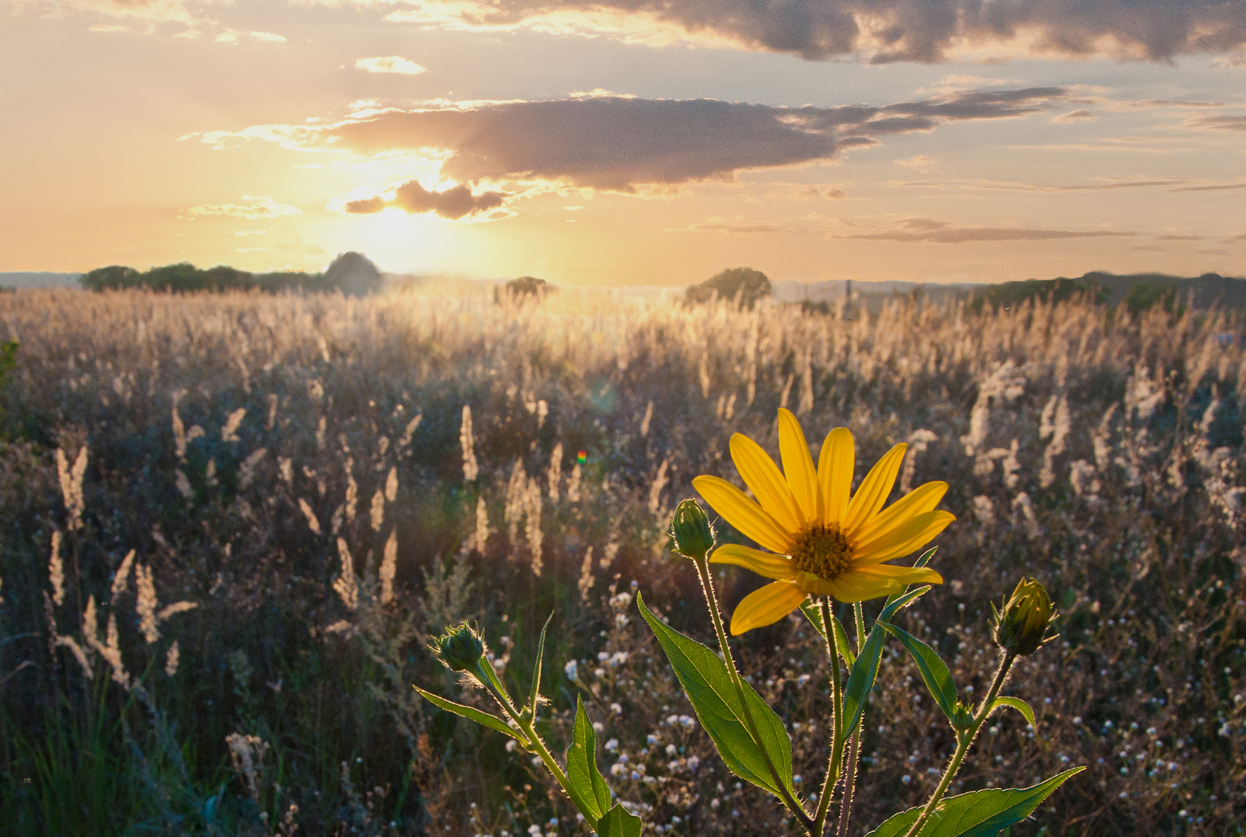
(691, 531)
(460, 647)
(1021, 627)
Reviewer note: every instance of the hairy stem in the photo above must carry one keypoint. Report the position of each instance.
(964, 742)
(711, 599)
(837, 734)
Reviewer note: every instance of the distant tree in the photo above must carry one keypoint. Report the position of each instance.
(111, 278)
(353, 274)
(743, 285)
(523, 287)
(1146, 295)
(1010, 294)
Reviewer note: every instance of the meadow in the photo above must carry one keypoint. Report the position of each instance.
(231, 524)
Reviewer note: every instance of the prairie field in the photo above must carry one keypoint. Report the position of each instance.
(231, 524)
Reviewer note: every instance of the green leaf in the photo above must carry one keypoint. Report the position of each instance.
(861, 678)
(472, 714)
(588, 789)
(707, 682)
(619, 823)
(981, 813)
(1017, 704)
(899, 601)
(933, 670)
(535, 697)
(814, 614)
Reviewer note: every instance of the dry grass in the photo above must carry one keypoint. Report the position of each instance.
(1102, 454)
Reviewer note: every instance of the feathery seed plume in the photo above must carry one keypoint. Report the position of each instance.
(470, 469)
(146, 603)
(229, 430)
(644, 422)
(346, 585)
(172, 659)
(121, 579)
(246, 471)
(391, 484)
(555, 470)
(586, 575)
(312, 522)
(378, 510)
(352, 492)
(389, 566)
(56, 569)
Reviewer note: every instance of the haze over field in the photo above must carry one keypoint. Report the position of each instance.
(618, 143)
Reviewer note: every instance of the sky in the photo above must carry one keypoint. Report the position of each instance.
(627, 142)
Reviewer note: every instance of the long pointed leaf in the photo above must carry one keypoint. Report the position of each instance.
(619, 823)
(588, 789)
(708, 685)
(472, 714)
(1017, 704)
(814, 614)
(861, 678)
(933, 670)
(981, 813)
(535, 697)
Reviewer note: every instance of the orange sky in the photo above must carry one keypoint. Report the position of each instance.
(595, 144)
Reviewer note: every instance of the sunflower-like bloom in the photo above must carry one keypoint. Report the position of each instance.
(822, 542)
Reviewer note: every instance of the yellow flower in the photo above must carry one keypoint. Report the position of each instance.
(821, 542)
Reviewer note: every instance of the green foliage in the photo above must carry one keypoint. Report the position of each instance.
(619, 823)
(525, 287)
(982, 813)
(186, 278)
(741, 285)
(1146, 295)
(587, 787)
(1009, 294)
(749, 747)
(934, 672)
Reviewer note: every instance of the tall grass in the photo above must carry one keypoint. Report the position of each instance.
(243, 446)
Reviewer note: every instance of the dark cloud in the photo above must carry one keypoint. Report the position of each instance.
(617, 143)
(454, 203)
(912, 30)
(929, 230)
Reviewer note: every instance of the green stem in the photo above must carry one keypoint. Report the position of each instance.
(964, 742)
(711, 598)
(837, 734)
(488, 677)
(850, 778)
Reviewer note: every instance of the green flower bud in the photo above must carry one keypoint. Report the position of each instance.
(460, 647)
(1021, 627)
(691, 531)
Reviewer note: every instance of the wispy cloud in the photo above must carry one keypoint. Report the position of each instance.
(1074, 116)
(389, 64)
(260, 207)
(1217, 123)
(929, 230)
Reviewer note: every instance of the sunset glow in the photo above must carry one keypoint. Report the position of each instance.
(588, 143)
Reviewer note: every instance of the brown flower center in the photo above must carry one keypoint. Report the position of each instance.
(822, 551)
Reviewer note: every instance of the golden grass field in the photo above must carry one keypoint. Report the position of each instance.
(264, 506)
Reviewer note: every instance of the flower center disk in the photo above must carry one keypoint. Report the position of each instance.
(822, 551)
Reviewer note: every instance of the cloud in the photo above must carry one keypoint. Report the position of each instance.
(453, 203)
(268, 37)
(919, 163)
(619, 144)
(1218, 123)
(880, 30)
(108, 27)
(264, 207)
(929, 230)
(1075, 116)
(831, 192)
(1100, 184)
(151, 10)
(389, 64)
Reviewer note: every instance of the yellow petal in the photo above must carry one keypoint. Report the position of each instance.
(798, 464)
(920, 500)
(903, 539)
(766, 482)
(762, 563)
(766, 606)
(904, 576)
(835, 464)
(742, 513)
(855, 586)
(873, 490)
